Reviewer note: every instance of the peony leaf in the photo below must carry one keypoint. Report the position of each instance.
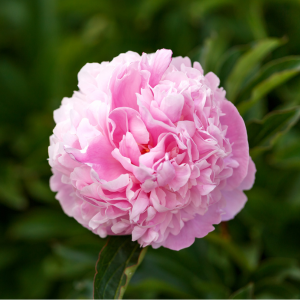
(152, 288)
(117, 262)
(255, 19)
(228, 61)
(11, 191)
(286, 154)
(272, 75)
(246, 64)
(275, 290)
(244, 293)
(265, 87)
(83, 289)
(232, 249)
(278, 269)
(43, 224)
(263, 133)
(212, 51)
(277, 278)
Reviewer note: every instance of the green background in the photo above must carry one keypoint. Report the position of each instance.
(43, 45)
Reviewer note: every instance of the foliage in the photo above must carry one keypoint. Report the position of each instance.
(117, 262)
(253, 46)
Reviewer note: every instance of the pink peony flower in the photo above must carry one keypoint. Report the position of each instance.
(150, 147)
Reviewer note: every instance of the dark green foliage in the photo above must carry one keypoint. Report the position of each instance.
(252, 45)
(263, 133)
(117, 262)
(244, 293)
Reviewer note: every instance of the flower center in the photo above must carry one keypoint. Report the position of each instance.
(144, 148)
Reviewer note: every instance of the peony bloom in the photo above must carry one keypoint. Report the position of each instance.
(150, 147)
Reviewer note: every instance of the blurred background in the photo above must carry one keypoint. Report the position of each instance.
(43, 45)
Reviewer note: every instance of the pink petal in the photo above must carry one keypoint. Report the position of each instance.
(165, 173)
(237, 135)
(124, 84)
(137, 232)
(166, 144)
(213, 80)
(81, 177)
(140, 205)
(149, 185)
(155, 128)
(124, 161)
(119, 227)
(98, 153)
(117, 184)
(97, 112)
(87, 77)
(248, 181)
(182, 175)
(186, 126)
(197, 66)
(235, 201)
(86, 132)
(129, 148)
(172, 106)
(199, 227)
(142, 173)
(158, 64)
(179, 60)
(128, 120)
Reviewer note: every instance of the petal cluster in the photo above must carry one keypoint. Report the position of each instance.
(150, 147)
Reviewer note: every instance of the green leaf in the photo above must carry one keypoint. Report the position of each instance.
(233, 250)
(275, 290)
(244, 293)
(286, 153)
(11, 191)
(43, 224)
(152, 288)
(271, 75)
(33, 272)
(7, 256)
(263, 133)
(255, 18)
(83, 289)
(279, 269)
(181, 271)
(117, 262)
(265, 87)
(246, 64)
(228, 60)
(211, 52)
(200, 9)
